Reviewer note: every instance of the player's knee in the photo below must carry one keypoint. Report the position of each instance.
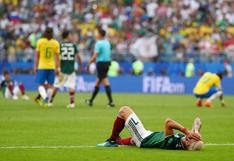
(219, 92)
(124, 110)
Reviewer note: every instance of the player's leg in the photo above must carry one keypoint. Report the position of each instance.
(199, 102)
(7, 94)
(126, 117)
(106, 84)
(37, 99)
(199, 99)
(41, 79)
(94, 94)
(71, 84)
(119, 123)
(21, 90)
(54, 92)
(118, 126)
(212, 94)
(59, 82)
(10, 89)
(50, 87)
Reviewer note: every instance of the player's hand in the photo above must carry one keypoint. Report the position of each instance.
(194, 136)
(57, 72)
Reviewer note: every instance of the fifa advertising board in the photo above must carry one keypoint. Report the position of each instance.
(134, 84)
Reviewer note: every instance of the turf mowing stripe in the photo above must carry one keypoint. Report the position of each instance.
(214, 144)
(82, 146)
(47, 147)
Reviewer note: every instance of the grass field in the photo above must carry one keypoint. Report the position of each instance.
(48, 135)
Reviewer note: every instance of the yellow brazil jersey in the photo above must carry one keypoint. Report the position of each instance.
(47, 50)
(207, 81)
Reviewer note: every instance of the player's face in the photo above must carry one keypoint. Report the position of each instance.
(7, 77)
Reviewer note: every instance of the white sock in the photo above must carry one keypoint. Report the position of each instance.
(42, 92)
(212, 97)
(49, 93)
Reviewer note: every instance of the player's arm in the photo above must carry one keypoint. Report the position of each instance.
(170, 125)
(57, 59)
(37, 56)
(95, 54)
(36, 61)
(79, 61)
(93, 58)
(218, 85)
(221, 98)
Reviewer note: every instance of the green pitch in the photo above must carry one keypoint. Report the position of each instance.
(60, 134)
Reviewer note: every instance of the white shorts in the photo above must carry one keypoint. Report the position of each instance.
(16, 92)
(136, 128)
(66, 80)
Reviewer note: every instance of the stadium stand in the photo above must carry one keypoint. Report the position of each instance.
(167, 32)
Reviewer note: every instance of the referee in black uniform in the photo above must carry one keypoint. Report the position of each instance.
(101, 54)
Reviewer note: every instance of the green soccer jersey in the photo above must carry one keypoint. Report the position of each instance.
(68, 53)
(4, 85)
(158, 140)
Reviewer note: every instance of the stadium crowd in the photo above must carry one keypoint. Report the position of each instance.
(148, 30)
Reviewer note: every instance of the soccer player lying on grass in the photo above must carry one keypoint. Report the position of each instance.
(140, 137)
(209, 86)
(10, 89)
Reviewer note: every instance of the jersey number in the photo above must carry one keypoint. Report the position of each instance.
(67, 53)
(48, 53)
(135, 122)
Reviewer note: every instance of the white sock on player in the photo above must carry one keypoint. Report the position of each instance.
(49, 93)
(42, 92)
(212, 97)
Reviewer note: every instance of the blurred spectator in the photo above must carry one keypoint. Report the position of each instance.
(189, 69)
(114, 69)
(228, 68)
(145, 47)
(137, 67)
(171, 30)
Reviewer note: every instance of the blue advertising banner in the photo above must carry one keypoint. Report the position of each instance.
(134, 84)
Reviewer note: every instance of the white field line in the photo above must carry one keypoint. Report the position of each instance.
(82, 146)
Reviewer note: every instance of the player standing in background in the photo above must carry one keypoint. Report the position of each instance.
(68, 56)
(209, 86)
(47, 63)
(101, 54)
(10, 89)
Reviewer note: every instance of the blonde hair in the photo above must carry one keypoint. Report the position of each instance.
(196, 145)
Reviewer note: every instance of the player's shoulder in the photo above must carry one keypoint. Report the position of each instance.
(98, 42)
(55, 42)
(41, 40)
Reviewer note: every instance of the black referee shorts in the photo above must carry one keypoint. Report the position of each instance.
(102, 69)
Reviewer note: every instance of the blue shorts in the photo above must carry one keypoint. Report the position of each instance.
(212, 91)
(45, 76)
